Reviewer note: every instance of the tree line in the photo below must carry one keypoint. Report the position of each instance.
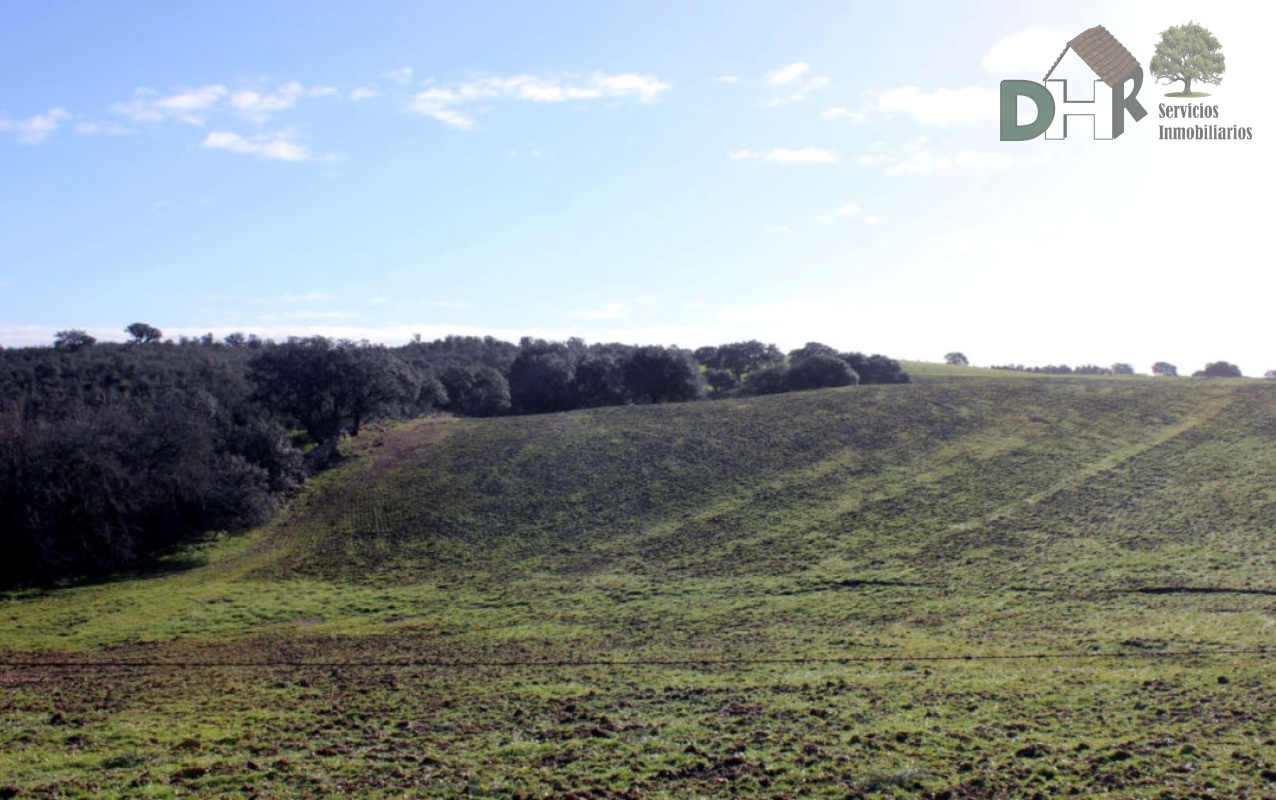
(1215, 369)
(113, 454)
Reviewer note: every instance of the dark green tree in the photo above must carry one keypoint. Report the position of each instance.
(1122, 369)
(821, 371)
(768, 380)
(73, 339)
(720, 381)
(956, 358)
(600, 377)
(143, 333)
(876, 368)
(657, 374)
(1165, 369)
(1187, 53)
(476, 391)
(743, 357)
(810, 349)
(329, 386)
(1218, 369)
(541, 377)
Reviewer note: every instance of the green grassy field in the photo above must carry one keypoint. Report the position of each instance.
(985, 584)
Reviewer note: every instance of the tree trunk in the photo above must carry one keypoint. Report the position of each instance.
(1187, 86)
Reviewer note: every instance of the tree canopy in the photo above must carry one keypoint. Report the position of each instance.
(1188, 53)
(73, 339)
(145, 334)
(1218, 369)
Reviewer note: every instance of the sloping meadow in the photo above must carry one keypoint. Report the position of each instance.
(967, 587)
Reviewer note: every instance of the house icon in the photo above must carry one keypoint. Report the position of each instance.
(1094, 64)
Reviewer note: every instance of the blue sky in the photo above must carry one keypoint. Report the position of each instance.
(679, 173)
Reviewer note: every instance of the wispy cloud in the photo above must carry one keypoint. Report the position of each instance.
(271, 146)
(257, 106)
(363, 93)
(787, 76)
(795, 82)
(785, 155)
(402, 75)
(103, 128)
(34, 130)
(942, 106)
(306, 297)
(727, 79)
(841, 112)
(195, 106)
(449, 105)
(844, 210)
(191, 107)
(1028, 53)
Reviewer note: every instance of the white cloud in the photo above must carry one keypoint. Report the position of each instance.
(439, 104)
(107, 128)
(363, 93)
(402, 75)
(786, 76)
(194, 107)
(448, 304)
(841, 112)
(873, 220)
(257, 106)
(646, 88)
(943, 106)
(34, 130)
(845, 210)
(447, 104)
(191, 107)
(1027, 54)
(378, 301)
(794, 81)
(727, 79)
(274, 146)
(307, 297)
(784, 155)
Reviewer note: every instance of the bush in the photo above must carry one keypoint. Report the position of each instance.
(1218, 369)
(821, 371)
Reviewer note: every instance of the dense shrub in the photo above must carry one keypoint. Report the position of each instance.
(820, 371)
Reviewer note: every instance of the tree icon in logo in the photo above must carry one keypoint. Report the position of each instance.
(1187, 53)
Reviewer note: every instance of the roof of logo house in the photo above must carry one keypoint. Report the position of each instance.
(1102, 53)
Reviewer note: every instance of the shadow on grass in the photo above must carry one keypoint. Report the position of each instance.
(185, 560)
(1201, 590)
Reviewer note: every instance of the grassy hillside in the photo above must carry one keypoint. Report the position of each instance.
(971, 514)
